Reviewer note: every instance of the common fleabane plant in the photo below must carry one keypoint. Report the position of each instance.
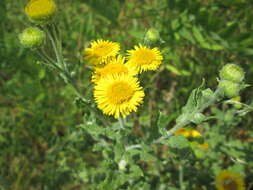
(117, 92)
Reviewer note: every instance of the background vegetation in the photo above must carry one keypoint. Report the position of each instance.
(45, 139)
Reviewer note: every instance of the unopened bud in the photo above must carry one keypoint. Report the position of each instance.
(232, 72)
(40, 11)
(32, 37)
(230, 89)
(152, 35)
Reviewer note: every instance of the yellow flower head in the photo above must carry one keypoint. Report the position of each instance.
(113, 66)
(118, 95)
(227, 180)
(194, 133)
(101, 51)
(188, 132)
(144, 58)
(40, 10)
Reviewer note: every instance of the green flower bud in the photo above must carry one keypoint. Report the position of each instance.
(232, 72)
(152, 35)
(32, 37)
(230, 89)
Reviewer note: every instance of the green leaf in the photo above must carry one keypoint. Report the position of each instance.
(198, 35)
(147, 156)
(176, 71)
(194, 100)
(178, 141)
(136, 171)
(187, 35)
(118, 151)
(163, 121)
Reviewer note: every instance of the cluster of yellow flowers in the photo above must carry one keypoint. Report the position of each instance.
(117, 90)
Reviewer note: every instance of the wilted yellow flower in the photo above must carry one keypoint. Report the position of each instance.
(144, 58)
(114, 66)
(101, 51)
(118, 95)
(40, 10)
(188, 132)
(227, 180)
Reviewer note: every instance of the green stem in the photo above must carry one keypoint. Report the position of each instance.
(186, 119)
(121, 122)
(64, 72)
(57, 54)
(181, 177)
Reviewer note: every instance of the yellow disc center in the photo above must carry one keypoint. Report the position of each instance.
(103, 50)
(144, 57)
(120, 92)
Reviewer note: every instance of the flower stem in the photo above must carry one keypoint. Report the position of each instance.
(186, 119)
(121, 122)
(181, 177)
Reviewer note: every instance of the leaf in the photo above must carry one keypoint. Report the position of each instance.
(198, 35)
(176, 71)
(178, 141)
(194, 100)
(187, 35)
(136, 171)
(147, 157)
(118, 151)
(163, 121)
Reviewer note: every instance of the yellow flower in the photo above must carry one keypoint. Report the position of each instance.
(118, 95)
(101, 51)
(227, 180)
(40, 10)
(204, 146)
(183, 131)
(194, 133)
(114, 66)
(144, 58)
(188, 132)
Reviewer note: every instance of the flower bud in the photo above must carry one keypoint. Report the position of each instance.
(232, 72)
(40, 11)
(32, 37)
(152, 35)
(230, 89)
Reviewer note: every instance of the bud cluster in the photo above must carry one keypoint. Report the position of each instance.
(39, 12)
